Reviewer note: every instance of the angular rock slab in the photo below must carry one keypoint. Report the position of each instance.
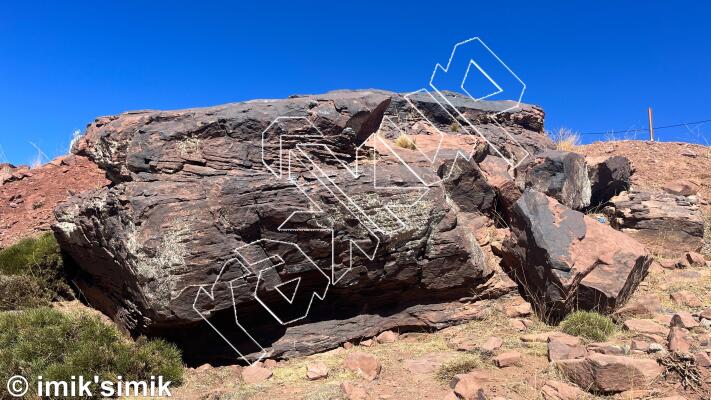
(658, 216)
(610, 374)
(565, 260)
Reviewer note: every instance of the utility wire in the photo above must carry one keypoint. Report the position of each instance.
(646, 129)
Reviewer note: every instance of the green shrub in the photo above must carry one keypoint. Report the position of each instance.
(40, 260)
(589, 325)
(459, 365)
(45, 342)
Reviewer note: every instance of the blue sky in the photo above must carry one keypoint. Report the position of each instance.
(593, 66)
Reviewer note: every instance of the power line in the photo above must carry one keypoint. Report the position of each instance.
(646, 129)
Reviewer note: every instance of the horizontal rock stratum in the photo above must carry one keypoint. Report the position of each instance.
(287, 227)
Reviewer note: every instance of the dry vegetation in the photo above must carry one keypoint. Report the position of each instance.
(565, 139)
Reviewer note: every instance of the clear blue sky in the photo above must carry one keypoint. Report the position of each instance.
(593, 66)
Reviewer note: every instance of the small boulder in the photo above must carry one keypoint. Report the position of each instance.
(606, 348)
(555, 390)
(354, 392)
(365, 365)
(517, 324)
(470, 386)
(684, 319)
(679, 340)
(639, 345)
(681, 187)
(695, 259)
(643, 307)
(318, 370)
(702, 359)
(491, 344)
(686, 298)
(644, 326)
(387, 337)
(520, 310)
(507, 359)
(610, 374)
(255, 373)
(565, 347)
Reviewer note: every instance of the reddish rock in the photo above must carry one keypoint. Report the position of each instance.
(271, 364)
(686, 298)
(507, 359)
(702, 359)
(366, 365)
(491, 344)
(555, 390)
(705, 314)
(681, 187)
(538, 337)
(354, 392)
(643, 307)
(679, 340)
(367, 343)
(423, 365)
(695, 259)
(462, 342)
(347, 345)
(610, 374)
(517, 324)
(317, 370)
(640, 345)
(255, 374)
(470, 386)
(517, 311)
(684, 319)
(27, 199)
(565, 347)
(605, 348)
(386, 337)
(644, 326)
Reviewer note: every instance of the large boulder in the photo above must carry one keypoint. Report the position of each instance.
(280, 227)
(565, 260)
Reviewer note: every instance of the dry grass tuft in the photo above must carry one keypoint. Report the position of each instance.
(565, 139)
(405, 142)
(459, 365)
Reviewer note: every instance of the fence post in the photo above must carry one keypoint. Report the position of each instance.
(651, 125)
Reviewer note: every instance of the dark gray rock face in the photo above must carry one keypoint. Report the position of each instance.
(287, 225)
(565, 260)
(609, 176)
(559, 174)
(655, 216)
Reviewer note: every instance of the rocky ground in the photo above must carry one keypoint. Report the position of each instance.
(186, 188)
(513, 355)
(29, 196)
